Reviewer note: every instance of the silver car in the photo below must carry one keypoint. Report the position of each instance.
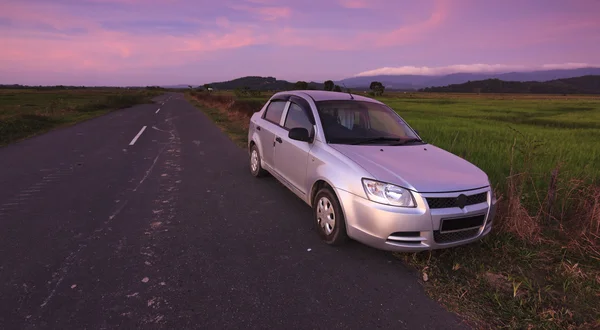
(367, 174)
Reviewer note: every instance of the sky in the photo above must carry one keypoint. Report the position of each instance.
(162, 42)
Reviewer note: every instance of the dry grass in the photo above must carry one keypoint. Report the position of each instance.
(581, 224)
(516, 218)
(230, 114)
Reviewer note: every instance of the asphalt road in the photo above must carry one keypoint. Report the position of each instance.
(173, 232)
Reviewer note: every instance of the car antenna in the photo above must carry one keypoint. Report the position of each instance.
(347, 90)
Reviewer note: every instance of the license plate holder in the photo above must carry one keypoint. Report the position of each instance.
(462, 223)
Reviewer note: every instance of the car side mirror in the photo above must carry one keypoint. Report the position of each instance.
(299, 134)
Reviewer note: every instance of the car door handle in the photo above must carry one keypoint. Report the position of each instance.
(258, 128)
(278, 139)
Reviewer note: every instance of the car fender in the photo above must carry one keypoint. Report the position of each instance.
(336, 170)
(257, 141)
(252, 134)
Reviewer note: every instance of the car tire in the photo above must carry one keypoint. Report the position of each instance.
(327, 207)
(255, 168)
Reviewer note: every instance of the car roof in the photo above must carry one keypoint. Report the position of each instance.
(318, 95)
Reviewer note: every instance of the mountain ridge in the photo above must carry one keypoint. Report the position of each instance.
(407, 82)
(422, 81)
(588, 84)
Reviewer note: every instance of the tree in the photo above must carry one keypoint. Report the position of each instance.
(328, 85)
(301, 85)
(337, 88)
(377, 88)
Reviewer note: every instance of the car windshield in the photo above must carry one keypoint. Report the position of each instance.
(363, 122)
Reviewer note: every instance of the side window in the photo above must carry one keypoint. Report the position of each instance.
(274, 111)
(296, 117)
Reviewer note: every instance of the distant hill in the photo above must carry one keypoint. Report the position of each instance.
(394, 82)
(589, 84)
(260, 83)
(178, 86)
(401, 82)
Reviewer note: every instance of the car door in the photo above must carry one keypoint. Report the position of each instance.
(291, 156)
(267, 127)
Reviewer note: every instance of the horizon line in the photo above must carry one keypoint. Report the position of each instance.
(318, 82)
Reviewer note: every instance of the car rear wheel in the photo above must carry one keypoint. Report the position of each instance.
(255, 167)
(329, 219)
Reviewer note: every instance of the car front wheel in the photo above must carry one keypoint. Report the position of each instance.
(329, 218)
(255, 167)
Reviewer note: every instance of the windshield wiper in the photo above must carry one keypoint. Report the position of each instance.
(408, 141)
(377, 139)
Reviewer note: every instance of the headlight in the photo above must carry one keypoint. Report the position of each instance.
(389, 194)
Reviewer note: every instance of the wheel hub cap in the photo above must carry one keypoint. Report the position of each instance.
(326, 215)
(254, 161)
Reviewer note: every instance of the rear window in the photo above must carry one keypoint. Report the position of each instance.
(274, 111)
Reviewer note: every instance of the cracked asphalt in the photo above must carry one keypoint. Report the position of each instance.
(171, 231)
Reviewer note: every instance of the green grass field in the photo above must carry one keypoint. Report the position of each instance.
(548, 279)
(26, 112)
(482, 129)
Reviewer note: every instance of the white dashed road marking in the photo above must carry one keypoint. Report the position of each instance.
(157, 110)
(137, 136)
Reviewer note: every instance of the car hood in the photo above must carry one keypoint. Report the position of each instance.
(424, 168)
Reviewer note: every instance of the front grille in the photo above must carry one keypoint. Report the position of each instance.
(447, 202)
(454, 236)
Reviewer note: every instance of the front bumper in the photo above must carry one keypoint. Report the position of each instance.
(416, 229)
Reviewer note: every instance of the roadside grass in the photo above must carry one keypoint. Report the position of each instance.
(230, 114)
(540, 266)
(27, 112)
(506, 282)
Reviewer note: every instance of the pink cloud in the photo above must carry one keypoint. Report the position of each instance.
(262, 2)
(355, 4)
(316, 39)
(267, 13)
(214, 41)
(273, 13)
(544, 28)
(131, 2)
(332, 39)
(412, 32)
(102, 50)
(42, 14)
(223, 22)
